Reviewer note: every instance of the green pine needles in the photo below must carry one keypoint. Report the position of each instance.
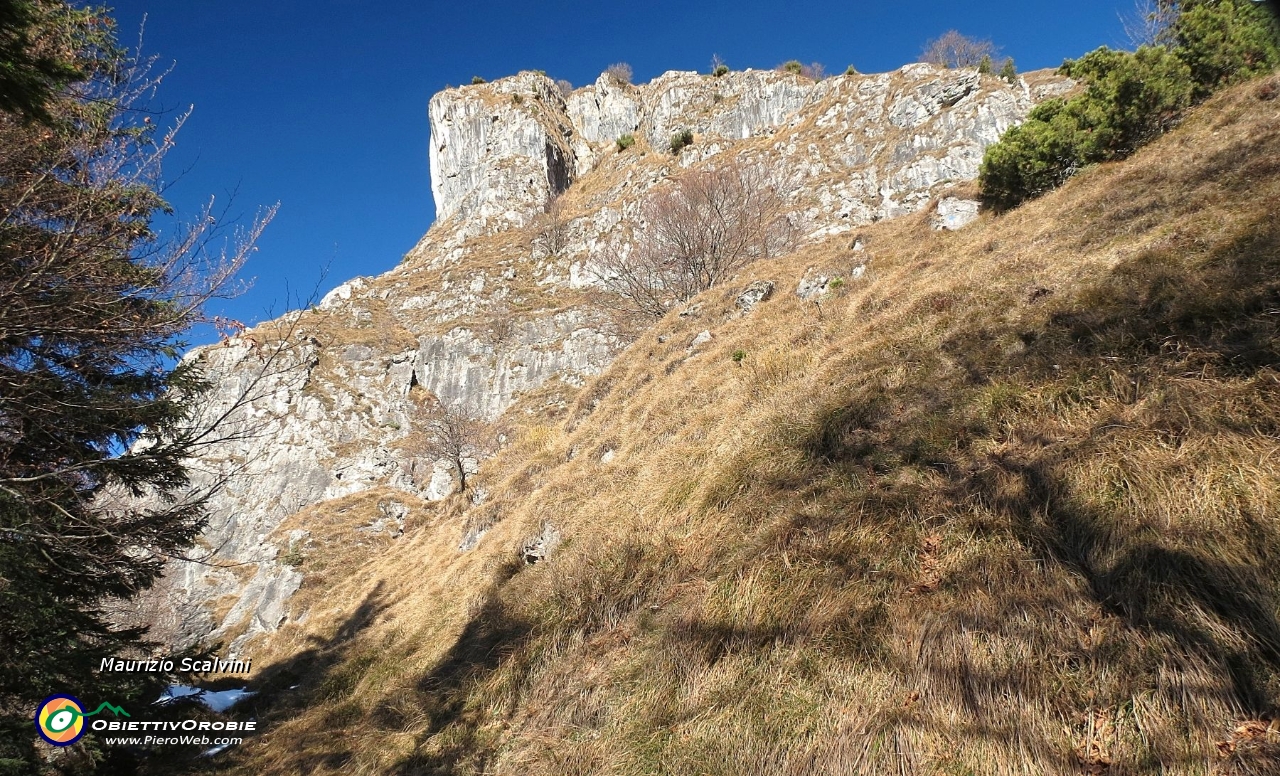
(1129, 97)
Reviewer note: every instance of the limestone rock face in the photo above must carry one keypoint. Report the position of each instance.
(604, 112)
(321, 405)
(860, 147)
(463, 366)
(497, 153)
(735, 106)
(499, 309)
(954, 213)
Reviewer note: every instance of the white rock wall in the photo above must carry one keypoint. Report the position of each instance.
(861, 147)
(494, 159)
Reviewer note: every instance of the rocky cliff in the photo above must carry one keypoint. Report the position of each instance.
(490, 317)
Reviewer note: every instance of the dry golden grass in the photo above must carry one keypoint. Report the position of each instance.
(1009, 504)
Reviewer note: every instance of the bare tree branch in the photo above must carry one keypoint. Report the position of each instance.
(452, 436)
(1150, 22)
(954, 50)
(696, 234)
(551, 227)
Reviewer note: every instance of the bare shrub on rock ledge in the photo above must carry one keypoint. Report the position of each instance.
(456, 438)
(954, 50)
(620, 72)
(696, 234)
(551, 227)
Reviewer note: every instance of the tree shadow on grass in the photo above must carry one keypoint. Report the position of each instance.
(328, 671)
(1161, 316)
(443, 693)
(456, 737)
(1152, 586)
(315, 675)
(1197, 340)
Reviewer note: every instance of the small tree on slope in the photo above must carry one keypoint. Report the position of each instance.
(455, 438)
(953, 49)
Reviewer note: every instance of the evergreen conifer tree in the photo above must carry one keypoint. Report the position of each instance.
(96, 421)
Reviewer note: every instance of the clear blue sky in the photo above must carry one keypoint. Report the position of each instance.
(321, 105)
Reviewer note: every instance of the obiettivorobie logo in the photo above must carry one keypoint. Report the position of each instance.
(60, 718)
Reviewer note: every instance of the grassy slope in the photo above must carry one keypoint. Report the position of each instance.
(1007, 504)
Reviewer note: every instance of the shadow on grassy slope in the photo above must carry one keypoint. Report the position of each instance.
(491, 635)
(1161, 376)
(324, 673)
(1049, 513)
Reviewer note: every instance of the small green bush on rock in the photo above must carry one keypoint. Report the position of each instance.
(625, 142)
(1129, 97)
(681, 140)
(1008, 72)
(293, 557)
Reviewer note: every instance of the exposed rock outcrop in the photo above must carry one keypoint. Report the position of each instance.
(856, 148)
(753, 295)
(954, 213)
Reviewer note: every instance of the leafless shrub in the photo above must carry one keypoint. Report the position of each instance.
(1149, 22)
(814, 70)
(697, 233)
(620, 72)
(551, 228)
(454, 437)
(502, 325)
(565, 87)
(953, 50)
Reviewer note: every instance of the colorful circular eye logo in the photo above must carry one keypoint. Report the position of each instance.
(60, 720)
